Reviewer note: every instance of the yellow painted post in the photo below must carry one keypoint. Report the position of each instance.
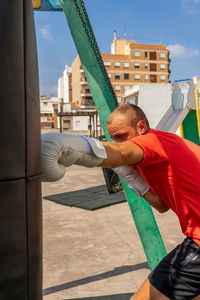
(182, 130)
(36, 3)
(196, 96)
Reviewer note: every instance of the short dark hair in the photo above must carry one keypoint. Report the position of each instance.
(128, 108)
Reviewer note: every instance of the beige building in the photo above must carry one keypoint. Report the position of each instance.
(48, 118)
(81, 94)
(128, 64)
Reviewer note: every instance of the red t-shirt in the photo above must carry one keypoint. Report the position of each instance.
(171, 167)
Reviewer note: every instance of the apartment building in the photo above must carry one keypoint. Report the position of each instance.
(81, 93)
(127, 65)
(130, 64)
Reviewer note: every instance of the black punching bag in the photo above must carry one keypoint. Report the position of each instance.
(20, 189)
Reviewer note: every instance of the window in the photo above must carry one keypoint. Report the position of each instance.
(89, 101)
(126, 76)
(162, 54)
(107, 63)
(126, 65)
(118, 88)
(117, 76)
(119, 99)
(136, 65)
(152, 55)
(137, 53)
(146, 66)
(87, 91)
(162, 66)
(109, 75)
(153, 67)
(137, 76)
(162, 77)
(146, 77)
(117, 64)
(153, 78)
(145, 53)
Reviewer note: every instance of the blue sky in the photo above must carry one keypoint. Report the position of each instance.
(174, 23)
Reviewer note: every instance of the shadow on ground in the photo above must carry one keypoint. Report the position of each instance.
(117, 271)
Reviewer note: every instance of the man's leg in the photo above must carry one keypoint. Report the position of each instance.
(148, 292)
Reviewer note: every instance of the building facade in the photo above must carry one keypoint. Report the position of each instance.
(48, 118)
(65, 85)
(81, 94)
(127, 65)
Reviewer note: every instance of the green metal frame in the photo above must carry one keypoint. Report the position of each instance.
(191, 124)
(190, 127)
(105, 101)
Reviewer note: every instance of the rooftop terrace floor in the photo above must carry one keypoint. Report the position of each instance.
(94, 253)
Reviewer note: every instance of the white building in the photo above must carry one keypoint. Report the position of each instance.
(165, 105)
(64, 85)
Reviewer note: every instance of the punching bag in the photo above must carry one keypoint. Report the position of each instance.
(20, 189)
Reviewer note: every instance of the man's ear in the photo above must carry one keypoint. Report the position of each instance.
(141, 127)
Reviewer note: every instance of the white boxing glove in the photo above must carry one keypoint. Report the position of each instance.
(133, 178)
(59, 151)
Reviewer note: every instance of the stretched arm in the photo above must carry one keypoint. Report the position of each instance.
(155, 201)
(63, 150)
(119, 154)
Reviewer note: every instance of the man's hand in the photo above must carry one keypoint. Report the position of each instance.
(135, 181)
(133, 178)
(155, 201)
(59, 151)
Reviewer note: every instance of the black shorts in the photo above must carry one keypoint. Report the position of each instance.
(177, 276)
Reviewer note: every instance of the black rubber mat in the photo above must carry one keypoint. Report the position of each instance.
(90, 199)
(108, 297)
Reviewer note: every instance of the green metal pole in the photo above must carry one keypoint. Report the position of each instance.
(105, 101)
(190, 127)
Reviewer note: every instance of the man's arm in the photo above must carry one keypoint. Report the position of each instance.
(155, 201)
(136, 182)
(119, 154)
(63, 150)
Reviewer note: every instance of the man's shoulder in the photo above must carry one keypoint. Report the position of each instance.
(155, 137)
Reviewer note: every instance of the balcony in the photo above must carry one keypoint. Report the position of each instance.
(88, 102)
(83, 95)
(86, 92)
(46, 119)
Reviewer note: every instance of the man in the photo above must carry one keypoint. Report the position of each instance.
(170, 166)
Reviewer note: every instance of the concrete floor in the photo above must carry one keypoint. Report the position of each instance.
(94, 253)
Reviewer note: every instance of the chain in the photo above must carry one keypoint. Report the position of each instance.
(90, 34)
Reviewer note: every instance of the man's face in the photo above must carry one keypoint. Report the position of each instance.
(121, 130)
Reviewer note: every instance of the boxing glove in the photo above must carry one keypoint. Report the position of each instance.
(133, 178)
(59, 151)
